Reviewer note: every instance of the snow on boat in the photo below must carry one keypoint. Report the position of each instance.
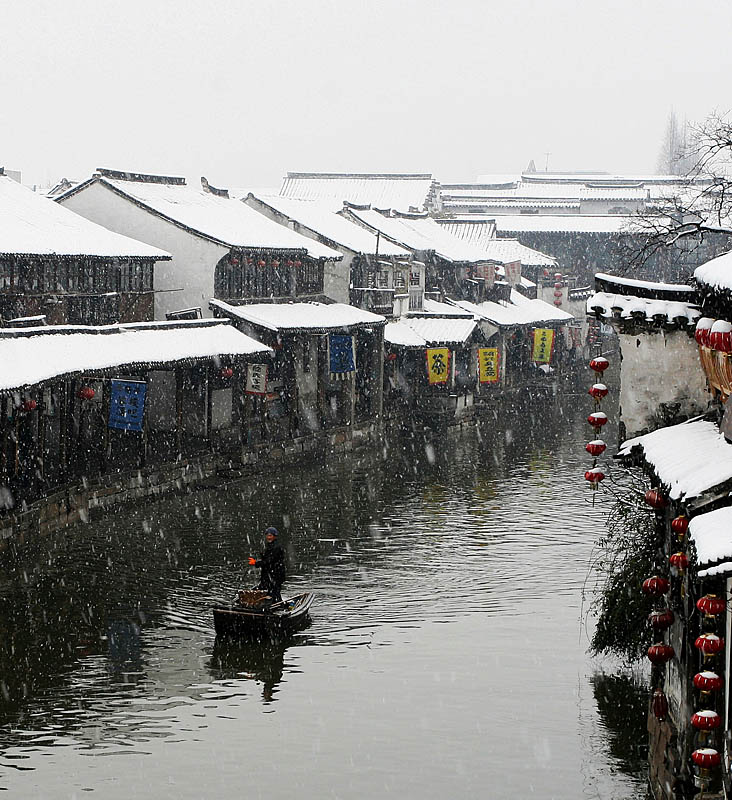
(283, 617)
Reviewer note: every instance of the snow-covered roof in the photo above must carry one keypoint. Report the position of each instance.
(712, 536)
(444, 309)
(222, 219)
(564, 223)
(716, 273)
(401, 191)
(482, 234)
(320, 218)
(629, 307)
(689, 459)
(29, 356)
(428, 332)
(636, 283)
(309, 316)
(520, 311)
(31, 224)
(422, 233)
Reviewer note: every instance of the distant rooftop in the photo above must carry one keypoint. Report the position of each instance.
(402, 191)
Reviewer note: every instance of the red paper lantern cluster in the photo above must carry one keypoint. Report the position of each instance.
(28, 406)
(87, 393)
(227, 372)
(715, 334)
(597, 418)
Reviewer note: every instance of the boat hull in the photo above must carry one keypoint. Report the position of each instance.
(237, 621)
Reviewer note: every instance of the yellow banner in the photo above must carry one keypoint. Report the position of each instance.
(438, 364)
(488, 364)
(543, 345)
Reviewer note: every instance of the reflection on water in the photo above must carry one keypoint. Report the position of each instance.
(448, 575)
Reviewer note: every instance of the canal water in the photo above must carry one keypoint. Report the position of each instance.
(447, 656)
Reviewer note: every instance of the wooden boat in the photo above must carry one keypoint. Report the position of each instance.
(278, 618)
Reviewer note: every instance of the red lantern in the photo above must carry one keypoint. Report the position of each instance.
(227, 372)
(706, 720)
(655, 499)
(710, 605)
(660, 653)
(703, 328)
(597, 419)
(680, 525)
(680, 561)
(706, 758)
(720, 336)
(262, 262)
(28, 406)
(655, 586)
(391, 357)
(594, 475)
(708, 682)
(557, 293)
(545, 273)
(558, 302)
(297, 263)
(558, 285)
(288, 263)
(596, 447)
(709, 644)
(599, 364)
(557, 276)
(234, 261)
(86, 393)
(598, 391)
(660, 620)
(659, 705)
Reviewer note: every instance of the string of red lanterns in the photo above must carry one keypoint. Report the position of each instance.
(597, 419)
(705, 721)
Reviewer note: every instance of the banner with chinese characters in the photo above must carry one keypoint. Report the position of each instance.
(256, 379)
(512, 270)
(127, 404)
(543, 345)
(341, 356)
(438, 364)
(488, 364)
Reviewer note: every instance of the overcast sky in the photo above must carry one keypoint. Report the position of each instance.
(242, 92)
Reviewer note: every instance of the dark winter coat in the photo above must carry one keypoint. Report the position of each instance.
(272, 564)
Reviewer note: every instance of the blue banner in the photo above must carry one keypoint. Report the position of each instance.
(341, 353)
(127, 405)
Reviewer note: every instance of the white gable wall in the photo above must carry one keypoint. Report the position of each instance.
(659, 368)
(194, 259)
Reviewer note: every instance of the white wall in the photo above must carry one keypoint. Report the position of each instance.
(194, 259)
(659, 368)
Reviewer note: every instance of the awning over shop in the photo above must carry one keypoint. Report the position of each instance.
(418, 332)
(30, 356)
(295, 317)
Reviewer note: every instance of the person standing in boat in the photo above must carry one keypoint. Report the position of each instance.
(272, 564)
